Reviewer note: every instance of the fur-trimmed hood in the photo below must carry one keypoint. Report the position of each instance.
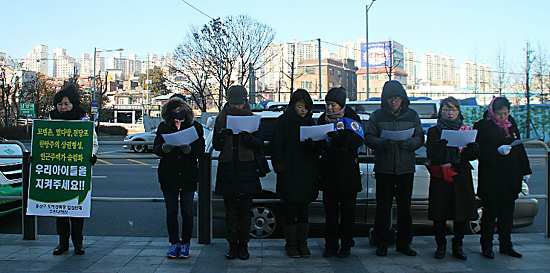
(173, 103)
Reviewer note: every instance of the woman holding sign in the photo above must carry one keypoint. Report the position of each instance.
(237, 178)
(451, 194)
(339, 170)
(67, 107)
(297, 166)
(502, 167)
(178, 172)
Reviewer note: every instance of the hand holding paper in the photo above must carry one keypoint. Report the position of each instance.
(181, 137)
(317, 132)
(397, 135)
(243, 123)
(459, 138)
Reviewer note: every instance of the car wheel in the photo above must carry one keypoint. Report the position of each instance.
(140, 148)
(265, 221)
(475, 226)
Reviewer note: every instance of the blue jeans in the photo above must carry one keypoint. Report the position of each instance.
(186, 205)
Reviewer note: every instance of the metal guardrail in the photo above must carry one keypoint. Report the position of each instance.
(205, 187)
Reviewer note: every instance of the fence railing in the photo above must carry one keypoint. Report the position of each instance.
(204, 231)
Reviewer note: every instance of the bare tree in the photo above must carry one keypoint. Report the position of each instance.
(8, 91)
(502, 79)
(541, 74)
(212, 56)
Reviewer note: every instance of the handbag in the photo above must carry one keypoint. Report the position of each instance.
(263, 165)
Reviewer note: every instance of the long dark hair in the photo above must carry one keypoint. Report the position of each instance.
(450, 101)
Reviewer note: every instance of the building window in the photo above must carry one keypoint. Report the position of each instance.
(364, 77)
(310, 70)
(339, 73)
(330, 85)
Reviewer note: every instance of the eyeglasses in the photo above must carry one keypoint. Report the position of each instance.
(450, 110)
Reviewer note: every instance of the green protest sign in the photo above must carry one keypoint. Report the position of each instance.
(60, 177)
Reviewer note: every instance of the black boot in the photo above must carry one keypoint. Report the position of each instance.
(291, 241)
(232, 252)
(510, 251)
(440, 252)
(63, 245)
(458, 252)
(242, 250)
(79, 249)
(406, 249)
(302, 233)
(488, 252)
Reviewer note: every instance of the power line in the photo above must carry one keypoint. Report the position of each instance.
(197, 9)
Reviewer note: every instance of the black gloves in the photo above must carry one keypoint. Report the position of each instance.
(309, 143)
(246, 137)
(473, 147)
(93, 160)
(334, 134)
(185, 148)
(388, 144)
(278, 168)
(166, 148)
(225, 133)
(405, 144)
(440, 143)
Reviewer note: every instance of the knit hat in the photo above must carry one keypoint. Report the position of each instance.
(338, 95)
(236, 94)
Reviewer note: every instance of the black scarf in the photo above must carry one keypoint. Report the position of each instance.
(221, 121)
(447, 124)
(75, 114)
(306, 120)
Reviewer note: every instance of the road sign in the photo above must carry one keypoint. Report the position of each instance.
(94, 109)
(26, 109)
(94, 103)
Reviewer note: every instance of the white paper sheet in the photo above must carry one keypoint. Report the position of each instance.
(521, 141)
(181, 137)
(459, 138)
(397, 135)
(243, 123)
(317, 132)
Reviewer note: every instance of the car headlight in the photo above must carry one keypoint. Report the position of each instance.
(127, 137)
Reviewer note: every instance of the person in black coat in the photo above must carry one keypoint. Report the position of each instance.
(237, 178)
(501, 170)
(297, 166)
(451, 193)
(67, 107)
(178, 172)
(394, 166)
(340, 177)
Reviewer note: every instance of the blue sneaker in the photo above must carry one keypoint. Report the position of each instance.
(184, 252)
(174, 251)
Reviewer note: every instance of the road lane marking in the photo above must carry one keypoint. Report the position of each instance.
(99, 176)
(104, 162)
(139, 162)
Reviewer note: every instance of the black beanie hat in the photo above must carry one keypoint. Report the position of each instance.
(236, 94)
(338, 95)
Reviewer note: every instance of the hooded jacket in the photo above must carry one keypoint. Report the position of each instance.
(178, 171)
(394, 160)
(296, 164)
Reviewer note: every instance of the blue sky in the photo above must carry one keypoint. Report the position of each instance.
(463, 29)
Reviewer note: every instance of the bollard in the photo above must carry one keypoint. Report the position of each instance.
(204, 232)
(28, 221)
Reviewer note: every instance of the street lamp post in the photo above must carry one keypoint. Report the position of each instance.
(96, 50)
(367, 46)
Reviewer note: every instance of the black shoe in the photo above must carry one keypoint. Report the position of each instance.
(60, 249)
(79, 249)
(511, 252)
(407, 250)
(488, 253)
(344, 252)
(327, 253)
(242, 251)
(232, 252)
(440, 252)
(381, 251)
(458, 252)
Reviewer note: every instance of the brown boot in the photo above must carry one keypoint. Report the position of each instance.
(301, 235)
(291, 245)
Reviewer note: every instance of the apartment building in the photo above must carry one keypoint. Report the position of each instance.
(63, 65)
(37, 60)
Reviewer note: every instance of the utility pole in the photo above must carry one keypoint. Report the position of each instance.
(528, 52)
(320, 83)
(252, 84)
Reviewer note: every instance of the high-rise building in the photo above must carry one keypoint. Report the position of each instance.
(37, 60)
(63, 65)
(448, 71)
(430, 69)
(477, 78)
(409, 59)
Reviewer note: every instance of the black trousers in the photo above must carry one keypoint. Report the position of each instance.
(497, 207)
(185, 203)
(70, 227)
(340, 219)
(296, 213)
(237, 218)
(389, 186)
(440, 230)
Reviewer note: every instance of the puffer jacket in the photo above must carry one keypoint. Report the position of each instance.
(178, 171)
(394, 160)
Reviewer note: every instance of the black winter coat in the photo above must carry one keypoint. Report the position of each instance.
(500, 175)
(456, 200)
(339, 162)
(237, 178)
(178, 171)
(299, 180)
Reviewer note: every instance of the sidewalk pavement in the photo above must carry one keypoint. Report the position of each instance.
(147, 254)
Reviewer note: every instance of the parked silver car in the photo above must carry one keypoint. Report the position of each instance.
(146, 136)
(267, 210)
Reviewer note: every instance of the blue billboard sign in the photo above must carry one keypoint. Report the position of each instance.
(379, 54)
